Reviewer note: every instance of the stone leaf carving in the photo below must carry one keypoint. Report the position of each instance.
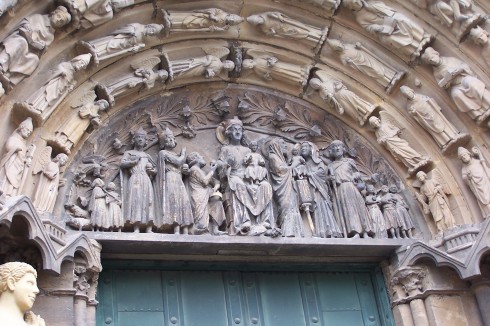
(270, 68)
(125, 40)
(366, 62)
(203, 20)
(44, 101)
(387, 133)
(392, 28)
(457, 13)
(410, 279)
(432, 196)
(429, 115)
(476, 173)
(146, 74)
(49, 179)
(277, 24)
(16, 159)
(469, 93)
(207, 66)
(479, 36)
(71, 131)
(18, 294)
(339, 97)
(20, 51)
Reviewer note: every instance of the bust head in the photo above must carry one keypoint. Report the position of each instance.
(431, 57)
(407, 92)
(18, 288)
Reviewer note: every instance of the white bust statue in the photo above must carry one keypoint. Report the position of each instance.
(18, 290)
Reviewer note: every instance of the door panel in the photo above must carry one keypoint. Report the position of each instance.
(226, 298)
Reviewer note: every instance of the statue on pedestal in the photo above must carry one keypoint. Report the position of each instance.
(16, 159)
(476, 173)
(365, 61)
(336, 94)
(18, 290)
(469, 93)
(429, 115)
(391, 27)
(127, 39)
(20, 51)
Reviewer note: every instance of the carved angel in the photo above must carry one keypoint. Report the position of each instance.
(276, 24)
(336, 95)
(208, 66)
(269, 67)
(49, 180)
(433, 197)
(145, 75)
(387, 133)
(73, 128)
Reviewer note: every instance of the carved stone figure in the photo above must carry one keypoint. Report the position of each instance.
(433, 192)
(350, 204)
(203, 20)
(330, 5)
(18, 290)
(143, 77)
(476, 174)
(405, 223)
(172, 194)
(73, 128)
(479, 36)
(390, 213)
(375, 215)
(255, 171)
(43, 101)
(114, 213)
(49, 181)
(200, 192)
(288, 216)
(276, 24)
(207, 66)
(7, 5)
(336, 94)
(248, 205)
(136, 169)
(387, 135)
(98, 207)
(20, 51)
(363, 60)
(429, 115)
(391, 27)
(325, 225)
(16, 159)
(447, 12)
(91, 13)
(469, 93)
(127, 39)
(268, 67)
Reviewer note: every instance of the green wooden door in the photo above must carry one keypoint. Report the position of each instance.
(225, 298)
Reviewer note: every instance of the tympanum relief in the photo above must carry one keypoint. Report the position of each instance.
(268, 167)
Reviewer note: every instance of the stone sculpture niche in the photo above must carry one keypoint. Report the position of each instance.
(365, 61)
(125, 40)
(20, 51)
(429, 115)
(476, 173)
(18, 290)
(391, 27)
(246, 183)
(44, 101)
(469, 93)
